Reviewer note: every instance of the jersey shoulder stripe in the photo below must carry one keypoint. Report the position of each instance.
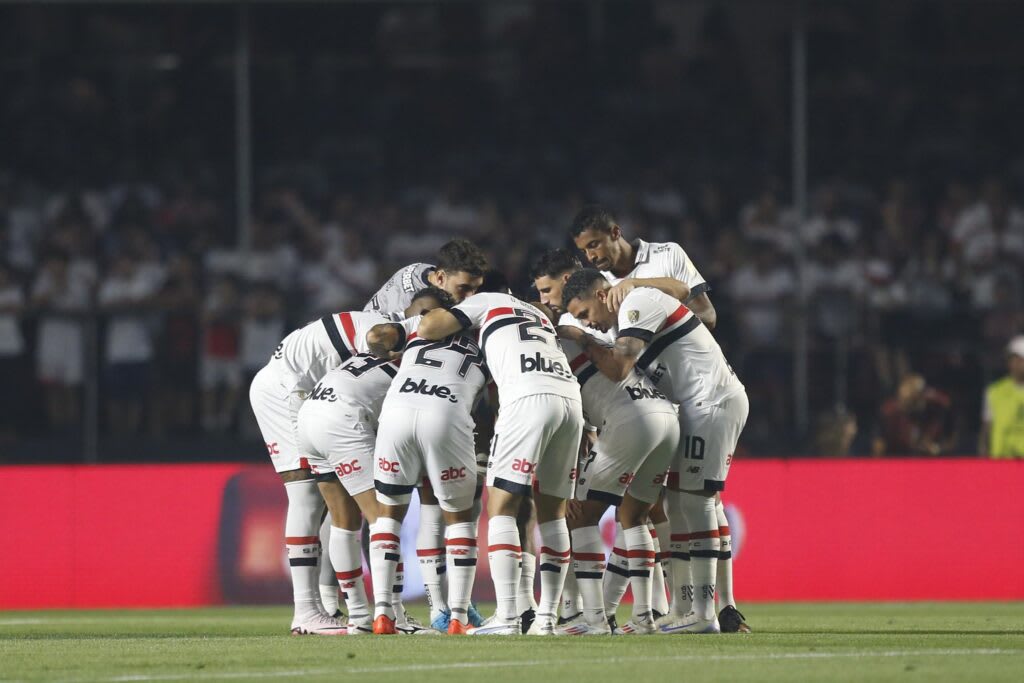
(665, 340)
(583, 368)
(349, 327)
(335, 337)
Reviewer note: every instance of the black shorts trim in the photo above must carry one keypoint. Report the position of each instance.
(604, 497)
(325, 477)
(515, 488)
(714, 485)
(638, 332)
(392, 489)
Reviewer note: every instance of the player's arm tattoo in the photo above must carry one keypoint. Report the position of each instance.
(439, 324)
(385, 338)
(703, 308)
(615, 362)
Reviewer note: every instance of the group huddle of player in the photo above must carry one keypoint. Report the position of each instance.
(609, 391)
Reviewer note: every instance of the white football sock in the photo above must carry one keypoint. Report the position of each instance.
(659, 599)
(640, 554)
(385, 557)
(430, 547)
(504, 552)
(525, 597)
(305, 506)
(588, 566)
(347, 558)
(554, 560)
(724, 575)
(616, 578)
(460, 542)
(704, 549)
(571, 603)
(679, 556)
(328, 582)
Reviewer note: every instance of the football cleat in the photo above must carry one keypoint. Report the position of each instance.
(526, 619)
(493, 626)
(475, 618)
(457, 628)
(562, 621)
(360, 627)
(732, 620)
(640, 626)
(441, 621)
(319, 626)
(613, 626)
(581, 627)
(691, 623)
(411, 626)
(384, 626)
(543, 625)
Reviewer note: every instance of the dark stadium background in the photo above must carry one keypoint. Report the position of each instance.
(251, 166)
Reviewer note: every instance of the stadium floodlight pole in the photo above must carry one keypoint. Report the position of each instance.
(799, 123)
(243, 129)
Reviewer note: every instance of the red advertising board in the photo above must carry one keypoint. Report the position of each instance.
(181, 535)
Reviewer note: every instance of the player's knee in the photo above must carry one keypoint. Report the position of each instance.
(457, 509)
(391, 500)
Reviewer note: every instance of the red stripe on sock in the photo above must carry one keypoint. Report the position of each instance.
(400, 567)
(704, 534)
(301, 540)
(429, 552)
(723, 531)
(680, 537)
(471, 542)
(345, 576)
(504, 546)
(589, 557)
(544, 550)
(619, 551)
(383, 537)
(648, 554)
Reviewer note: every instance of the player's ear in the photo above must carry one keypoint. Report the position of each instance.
(615, 232)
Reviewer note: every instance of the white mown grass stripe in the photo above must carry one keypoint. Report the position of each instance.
(412, 668)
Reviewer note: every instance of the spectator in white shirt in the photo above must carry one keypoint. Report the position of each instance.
(12, 352)
(762, 290)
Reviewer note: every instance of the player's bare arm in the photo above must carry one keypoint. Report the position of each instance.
(614, 362)
(703, 308)
(671, 286)
(438, 324)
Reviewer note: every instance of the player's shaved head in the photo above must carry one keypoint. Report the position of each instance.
(427, 299)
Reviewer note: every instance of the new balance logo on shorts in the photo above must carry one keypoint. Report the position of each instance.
(639, 393)
(347, 468)
(537, 363)
(411, 386)
(453, 473)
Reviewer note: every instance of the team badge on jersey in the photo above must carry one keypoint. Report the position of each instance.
(633, 316)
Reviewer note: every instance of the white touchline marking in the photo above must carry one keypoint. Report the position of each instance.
(198, 675)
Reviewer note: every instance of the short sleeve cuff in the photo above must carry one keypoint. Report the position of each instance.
(638, 332)
(463, 319)
(702, 288)
(402, 337)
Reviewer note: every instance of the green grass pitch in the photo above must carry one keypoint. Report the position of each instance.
(823, 642)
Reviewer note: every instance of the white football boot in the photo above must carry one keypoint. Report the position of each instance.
(493, 626)
(691, 623)
(319, 625)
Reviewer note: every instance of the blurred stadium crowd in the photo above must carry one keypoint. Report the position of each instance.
(381, 131)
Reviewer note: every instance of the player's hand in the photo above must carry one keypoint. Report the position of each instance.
(570, 332)
(617, 293)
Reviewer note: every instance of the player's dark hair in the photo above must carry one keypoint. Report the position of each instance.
(442, 297)
(592, 217)
(554, 262)
(495, 281)
(580, 283)
(461, 255)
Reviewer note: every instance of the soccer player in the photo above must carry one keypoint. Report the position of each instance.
(666, 340)
(639, 435)
(276, 394)
(537, 434)
(627, 265)
(426, 432)
(460, 271)
(337, 427)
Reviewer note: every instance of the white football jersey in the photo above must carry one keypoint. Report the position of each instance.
(520, 346)
(682, 358)
(396, 294)
(308, 353)
(609, 402)
(662, 259)
(362, 380)
(440, 375)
